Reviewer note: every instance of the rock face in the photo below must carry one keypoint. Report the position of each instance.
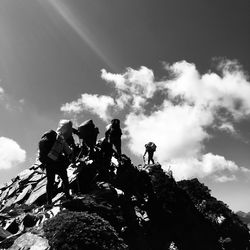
(144, 206)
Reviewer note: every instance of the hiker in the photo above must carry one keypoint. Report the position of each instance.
(88, 132)
(55, 154)
(105, 155)
(149, 149)
(114, 133)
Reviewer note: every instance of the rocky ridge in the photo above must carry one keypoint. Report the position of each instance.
(144, 207)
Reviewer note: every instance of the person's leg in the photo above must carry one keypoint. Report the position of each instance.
(117, 144)
(150, 157)
(50, 182)
(63, 175)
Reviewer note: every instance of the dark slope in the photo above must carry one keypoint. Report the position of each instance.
(141, 208)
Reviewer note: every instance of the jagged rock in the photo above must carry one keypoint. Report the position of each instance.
(36, 177)
(4, 233)
(25, 174)
(13, 188)
(38, 191)
(30, 241)
(23, 194)
(12, 226)
(8, 204)
(4, 194)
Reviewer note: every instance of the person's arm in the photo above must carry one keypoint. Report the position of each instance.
(144, 155)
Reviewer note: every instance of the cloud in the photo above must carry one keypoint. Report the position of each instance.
(134, 87)
(214, 166)
(11, 153)
(1, 94)
(97, 104)
(177, 113)
(1, 91)
(225, 178)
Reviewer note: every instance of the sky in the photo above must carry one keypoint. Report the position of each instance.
(174, 72)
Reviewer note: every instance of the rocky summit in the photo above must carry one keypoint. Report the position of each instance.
(129, 208)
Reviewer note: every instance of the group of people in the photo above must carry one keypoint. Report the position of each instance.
(57, 149)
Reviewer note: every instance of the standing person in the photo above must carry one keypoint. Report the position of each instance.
(105, 155)
(55, 154)
(114, 134)
(149, 149)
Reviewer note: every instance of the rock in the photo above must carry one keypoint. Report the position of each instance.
(39, 191)
(13, 188)
(4, 233)
(30, 241)
(12, 226)
(22, 195)
(36, 177)
(4, 194)
(29, 220)
(8, 204)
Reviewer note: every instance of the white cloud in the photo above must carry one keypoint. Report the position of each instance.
(207, 165)
(11, 153)
(230, 91)
(177, 130)
(227, 127)
(99, 105)
(225, 178)
(2, 93)
(134, 87)
(176, 113)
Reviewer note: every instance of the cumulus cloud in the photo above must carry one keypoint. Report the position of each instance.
(179, 126)
(177, 113)
(11, 153)
(97, 104)
(214, 166)
(134, 87)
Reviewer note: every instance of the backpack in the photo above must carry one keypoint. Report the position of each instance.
(45, 144)
(150, 146)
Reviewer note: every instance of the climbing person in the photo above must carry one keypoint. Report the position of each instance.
(88, 132)
(149, 149)
(114, 133)
(56, 155)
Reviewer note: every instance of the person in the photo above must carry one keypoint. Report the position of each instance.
(149, 149)
(114, 133)
(88, 132)
(105, 156)
(56, 156)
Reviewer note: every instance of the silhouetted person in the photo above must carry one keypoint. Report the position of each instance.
(106, 150)
(114, 134)
(88, 132)
(105, 154)
(55, 154)
(149, 149)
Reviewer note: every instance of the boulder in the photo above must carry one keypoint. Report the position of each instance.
(30, 241)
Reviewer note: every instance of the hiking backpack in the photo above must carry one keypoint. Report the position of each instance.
(45, 144)
(151, 146)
